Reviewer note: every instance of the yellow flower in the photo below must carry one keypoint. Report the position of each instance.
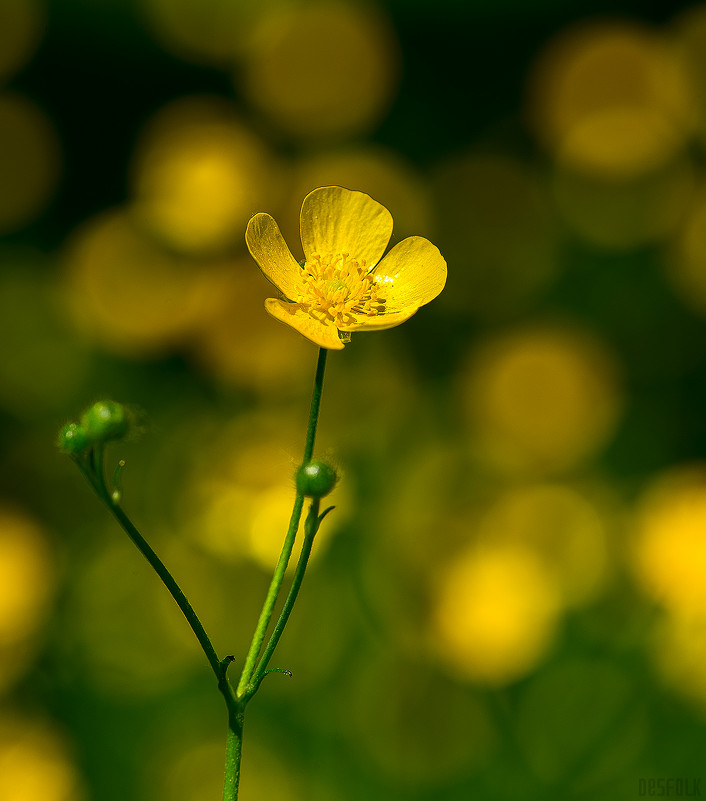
(344, 284)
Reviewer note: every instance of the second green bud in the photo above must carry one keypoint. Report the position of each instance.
(315, 479)
(104, 421)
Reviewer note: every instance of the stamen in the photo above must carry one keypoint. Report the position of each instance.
(337, 289)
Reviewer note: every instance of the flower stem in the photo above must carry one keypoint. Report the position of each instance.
(234, 746)
(97, 481)
(246, 687)
(92, 468)
(310, 528)
(170, 583)
(91, 465)
(315, 404)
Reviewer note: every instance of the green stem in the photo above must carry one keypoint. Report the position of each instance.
(94, 472)
(245, 686)
(169, 582)
(310, 528)
(315, 404)
(234, 745)
(93, 469)
(96, 478)
(271, 598)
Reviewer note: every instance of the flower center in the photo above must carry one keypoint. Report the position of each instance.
(337, 289)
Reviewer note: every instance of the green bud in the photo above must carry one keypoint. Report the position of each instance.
(105, 420)
(316, 479)
(72, 438)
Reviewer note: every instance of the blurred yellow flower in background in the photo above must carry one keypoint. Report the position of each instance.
(496, 612)
(342, 285)
(669, 550)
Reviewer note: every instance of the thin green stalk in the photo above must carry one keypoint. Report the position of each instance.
(311, 526)
(245, 685)
(94, 472)
(171, 585)
(95, 476)
(315, 404)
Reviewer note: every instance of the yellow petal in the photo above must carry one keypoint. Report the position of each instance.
(270, 251)
(337, 220)
(291, 313)
(379, 321)
(412, 274)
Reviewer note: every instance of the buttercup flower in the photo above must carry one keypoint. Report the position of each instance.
(344, 284)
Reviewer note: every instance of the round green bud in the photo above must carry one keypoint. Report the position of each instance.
(72, 438)
(316, 479)
(105, 420)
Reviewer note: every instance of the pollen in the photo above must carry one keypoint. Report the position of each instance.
(338, 289)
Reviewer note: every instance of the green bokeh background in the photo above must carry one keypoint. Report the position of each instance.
(107, 666)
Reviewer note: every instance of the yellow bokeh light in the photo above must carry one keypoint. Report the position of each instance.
(21, 27)
(222, 500)
(689, 31)
(620, 142)
(199, 174)
(271, 513)
(26, 576)
(678, 650)
(562, 528)
(250, 348)
(495, 614)
(204, 31)
(669, 555)
(541, 399)
(686, 263)
(29, 161)
(35, 763)
(612, 97)
(624, 213)
(239, 500)
(128, 293)
(322, 69)
(497, 225)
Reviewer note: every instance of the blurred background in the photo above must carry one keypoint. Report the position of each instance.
(509, 601)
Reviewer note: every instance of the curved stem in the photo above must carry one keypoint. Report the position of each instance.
(244, 690)
(92, 468)
(170, 583)
(96, 478)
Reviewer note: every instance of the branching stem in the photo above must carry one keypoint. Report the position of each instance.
(91, 465)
